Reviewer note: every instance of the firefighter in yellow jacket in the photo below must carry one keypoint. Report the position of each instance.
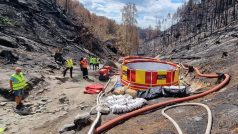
(69, 66)
(17, 86)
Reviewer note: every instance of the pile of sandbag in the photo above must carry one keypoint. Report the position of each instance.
(123, 103)
(125, 90)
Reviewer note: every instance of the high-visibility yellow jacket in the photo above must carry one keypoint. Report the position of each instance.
(69, 63)
(91, 60)
(19, 82)
(94, 60)
(98, 60)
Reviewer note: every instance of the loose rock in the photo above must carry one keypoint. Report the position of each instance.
(67, 127)
(82, 120)
(3, 103)
(63, 99)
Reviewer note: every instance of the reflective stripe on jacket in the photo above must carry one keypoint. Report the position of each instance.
(20, 83)
(69, 63)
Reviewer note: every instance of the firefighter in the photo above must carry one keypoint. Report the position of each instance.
(17, 86)
(69, 66)
(84, 65)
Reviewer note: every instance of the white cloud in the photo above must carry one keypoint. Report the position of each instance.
(146, 12)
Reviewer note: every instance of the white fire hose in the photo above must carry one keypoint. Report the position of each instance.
(209, 119)
(92, 128)
(123, 103)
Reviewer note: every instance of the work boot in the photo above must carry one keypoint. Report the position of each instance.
(23, 111)
(18, 107)
(21, 105)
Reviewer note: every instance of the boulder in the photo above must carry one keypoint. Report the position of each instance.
(9, 57)
(82, 120)
(8, 42)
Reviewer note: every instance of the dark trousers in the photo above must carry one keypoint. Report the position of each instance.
(91, 64)
(97, 66)
(71, 71)
(85, 73)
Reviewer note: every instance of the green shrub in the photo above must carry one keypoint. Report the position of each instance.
(7, 21)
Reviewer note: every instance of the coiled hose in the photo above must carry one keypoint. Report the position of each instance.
(209, 119)
(109, 124)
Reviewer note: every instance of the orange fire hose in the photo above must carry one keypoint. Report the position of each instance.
(115, 121)
(129, 59)
(136, 57)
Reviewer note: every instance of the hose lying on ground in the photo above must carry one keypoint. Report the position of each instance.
(99, 99)
(209, 119)
(109, 124)
(99, 105)
(92, 128)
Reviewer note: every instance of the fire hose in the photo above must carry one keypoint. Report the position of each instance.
(209, 119)
(92, 128)
(98, 106)
(109, 124)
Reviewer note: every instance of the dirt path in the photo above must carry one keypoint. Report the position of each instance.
(50, 114)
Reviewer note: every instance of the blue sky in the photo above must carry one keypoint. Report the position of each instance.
(147, 9)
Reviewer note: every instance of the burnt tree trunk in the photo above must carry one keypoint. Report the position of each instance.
(67, 6)
(234, 10)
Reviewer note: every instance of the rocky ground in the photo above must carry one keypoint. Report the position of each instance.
(31, 30)
(54, 101)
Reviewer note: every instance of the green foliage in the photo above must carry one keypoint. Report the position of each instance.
(7, 21)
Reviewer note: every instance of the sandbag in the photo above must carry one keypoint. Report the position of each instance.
(131, 92)
(120, 90)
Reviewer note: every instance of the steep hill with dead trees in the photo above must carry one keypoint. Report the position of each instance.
(195, 20)
(114, 36)
(205, 36)
(41, 26)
